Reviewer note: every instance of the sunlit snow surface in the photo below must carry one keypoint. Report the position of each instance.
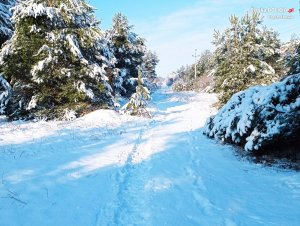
(110, 169)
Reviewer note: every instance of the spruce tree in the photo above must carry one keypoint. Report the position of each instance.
(205, 63)
(56, 59)
(294, 61)
(5, 94)
(5, 20)
(129, 50)
(247, 54)
(289, 54)
(150, 61)
(138, 100)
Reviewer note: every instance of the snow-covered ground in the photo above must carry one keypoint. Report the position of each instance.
(106, 169)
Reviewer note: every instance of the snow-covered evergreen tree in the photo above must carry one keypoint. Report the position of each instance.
(205, 63)
(247, 54)
(129, 50)
(260, 117)
(291, 56)
(56, 59)
(150, 61)
(5, 20)
(138, 100)
(5, 94)
(288, 54)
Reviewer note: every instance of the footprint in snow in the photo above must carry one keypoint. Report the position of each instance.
(204, 203)
(158, 184)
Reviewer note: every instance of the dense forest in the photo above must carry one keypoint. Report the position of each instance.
(56, 62)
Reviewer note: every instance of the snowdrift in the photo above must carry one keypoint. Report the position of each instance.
(260, 117)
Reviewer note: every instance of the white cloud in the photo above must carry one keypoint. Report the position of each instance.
(175, 36)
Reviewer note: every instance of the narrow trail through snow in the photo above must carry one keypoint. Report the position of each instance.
(109, 169)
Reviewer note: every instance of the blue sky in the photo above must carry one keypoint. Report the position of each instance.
(174, 28)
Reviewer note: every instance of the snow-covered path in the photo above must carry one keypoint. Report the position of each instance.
(106, 169)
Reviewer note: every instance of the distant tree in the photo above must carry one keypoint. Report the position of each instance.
(291, 51)
(150, 61)
(185, 79)
(205, 63)
(55, 60)
(247, 54)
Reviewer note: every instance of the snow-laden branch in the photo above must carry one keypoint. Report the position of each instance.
(5, 94)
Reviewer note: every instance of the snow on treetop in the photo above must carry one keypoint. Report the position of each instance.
(28, 9)
(81, 12)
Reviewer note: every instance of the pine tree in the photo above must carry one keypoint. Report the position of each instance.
(247, 54)
(5, 34)
(5, 20)
(288, 52)
(294, 61)
(150, 61)
(55, 60)
(5, 94)
(129, 50)
(205, 63)
(138, 100)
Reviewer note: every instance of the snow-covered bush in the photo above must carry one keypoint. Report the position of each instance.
(260, 116)
(138, 101)
(69, 115)
(57, 56)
